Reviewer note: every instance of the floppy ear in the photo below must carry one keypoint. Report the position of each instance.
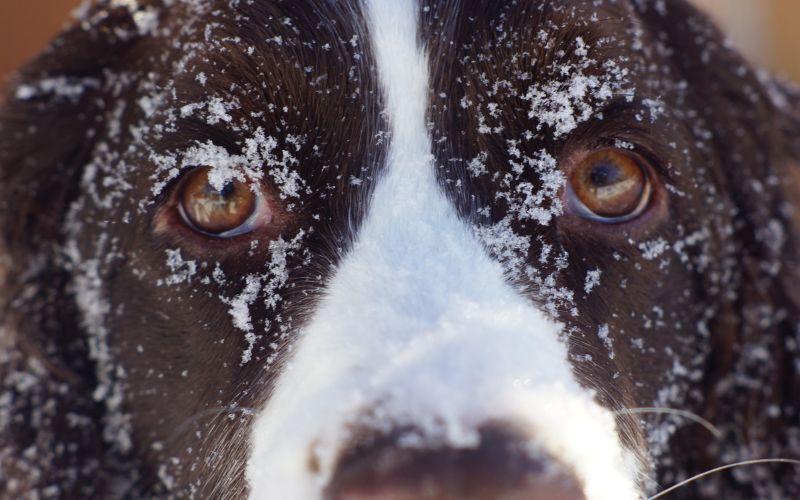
(751, 126)
(50, 435)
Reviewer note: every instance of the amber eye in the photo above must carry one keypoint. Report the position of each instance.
(609, 186)
(221, 212)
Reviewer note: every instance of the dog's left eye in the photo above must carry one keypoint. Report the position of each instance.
(222, 212)
(610, 186)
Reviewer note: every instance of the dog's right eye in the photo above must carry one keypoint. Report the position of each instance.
(223, 210)
(609, 186)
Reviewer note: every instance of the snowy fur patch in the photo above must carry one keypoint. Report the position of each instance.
(260, 153)
(564, 103)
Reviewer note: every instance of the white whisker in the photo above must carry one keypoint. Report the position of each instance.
(680, 413)
(722, 468)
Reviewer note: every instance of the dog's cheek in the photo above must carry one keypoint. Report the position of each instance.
(165, 340)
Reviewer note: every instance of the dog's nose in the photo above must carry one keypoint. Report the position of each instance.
(503, 466)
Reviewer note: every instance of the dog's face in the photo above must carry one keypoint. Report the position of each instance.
(403, 249)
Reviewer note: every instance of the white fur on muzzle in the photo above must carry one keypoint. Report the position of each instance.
(419, 327)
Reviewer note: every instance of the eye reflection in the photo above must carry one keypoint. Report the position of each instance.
(609, 186)
(219, 212)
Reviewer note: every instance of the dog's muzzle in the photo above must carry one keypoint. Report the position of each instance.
(505, 465)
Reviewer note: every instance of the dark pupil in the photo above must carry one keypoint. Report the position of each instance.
(605, 174)
(225, 192)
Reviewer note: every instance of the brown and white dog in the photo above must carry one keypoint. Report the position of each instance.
(396, 249)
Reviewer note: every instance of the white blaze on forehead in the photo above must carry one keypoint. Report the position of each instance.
(420, 328)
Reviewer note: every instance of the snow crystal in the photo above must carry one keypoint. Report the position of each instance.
(146, 21)
(564, 104)
(240, 312)
(216, 110)
(266, 285)
(259, 152)
(592, 280)
(653, 249)
(477, 166)
(506, 245)
(608, 342)
(527, 201)
(70, 88)
(181, 270)
(145, 18)
(656, 108)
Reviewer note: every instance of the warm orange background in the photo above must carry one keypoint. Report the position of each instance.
(768, 30)
(25, 28)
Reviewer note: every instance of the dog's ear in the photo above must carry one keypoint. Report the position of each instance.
(50, 430)
(749, 127)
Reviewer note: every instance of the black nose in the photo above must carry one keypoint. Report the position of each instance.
(504, 466)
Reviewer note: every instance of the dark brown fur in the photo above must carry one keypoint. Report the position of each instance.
(730, 310)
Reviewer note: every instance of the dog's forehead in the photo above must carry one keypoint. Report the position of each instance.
(287, 75)
(289, 94)
(275, 79)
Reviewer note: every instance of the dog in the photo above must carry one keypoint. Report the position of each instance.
(311, 249)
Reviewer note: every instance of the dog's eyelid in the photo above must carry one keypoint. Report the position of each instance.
(657, 157)
(165, 195)
(655, 151)
(632, 103)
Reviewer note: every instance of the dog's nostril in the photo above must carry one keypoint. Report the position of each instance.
(504, 466)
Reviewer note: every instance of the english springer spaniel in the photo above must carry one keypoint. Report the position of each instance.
(398, 249)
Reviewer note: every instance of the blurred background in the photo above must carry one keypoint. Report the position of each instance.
(768, 31)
